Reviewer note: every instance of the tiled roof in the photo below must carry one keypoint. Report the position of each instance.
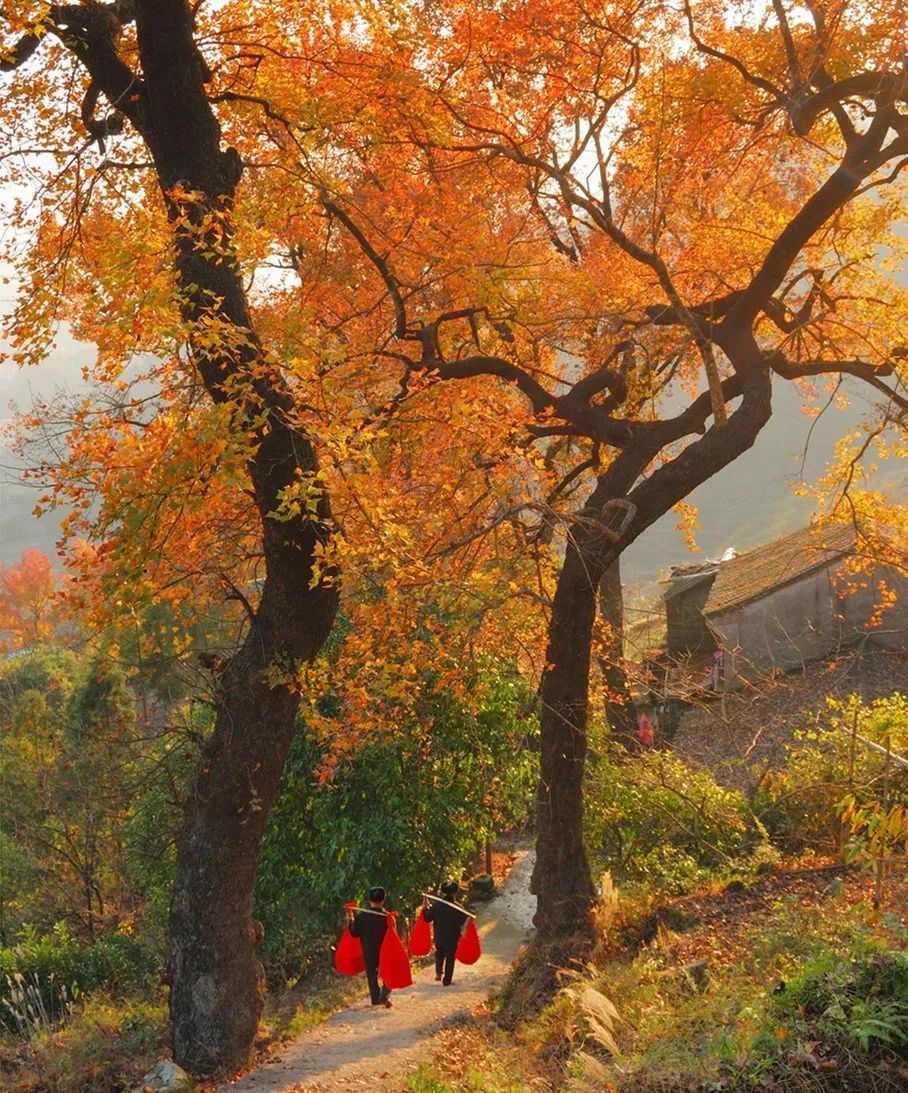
(683, 581)
(757, 572)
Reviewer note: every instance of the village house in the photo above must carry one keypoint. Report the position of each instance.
(746, 618)
(782, 606)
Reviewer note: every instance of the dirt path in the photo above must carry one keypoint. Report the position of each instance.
(367, 1046)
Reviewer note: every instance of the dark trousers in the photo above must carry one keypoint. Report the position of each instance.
(378, 992)
(444, 959)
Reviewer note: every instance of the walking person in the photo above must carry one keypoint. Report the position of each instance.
(370, 926)
(449, 921)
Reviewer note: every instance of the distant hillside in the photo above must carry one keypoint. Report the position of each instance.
(752, 501)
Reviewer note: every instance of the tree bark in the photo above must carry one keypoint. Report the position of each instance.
(619, 706)
(561, 876)
(217, 980)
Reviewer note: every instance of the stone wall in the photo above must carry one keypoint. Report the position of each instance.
(799, 623)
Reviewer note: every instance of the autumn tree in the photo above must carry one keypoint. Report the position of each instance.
(136, 69)
(27, 608)
(190, 467)
(581, 215)
(715, 192)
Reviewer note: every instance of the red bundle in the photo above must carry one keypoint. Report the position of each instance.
(348, 956)
(393, 962)
(420, 937)
(468, 950)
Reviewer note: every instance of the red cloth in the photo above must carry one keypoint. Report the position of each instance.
(348, 956)
(645, 731)
(393, 962)
(420, 937)
(468, 950)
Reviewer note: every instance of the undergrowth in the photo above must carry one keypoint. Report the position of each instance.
(105, 1045)
(41, 975)
(476, 1057)
(104, 1042)
(819, 1001)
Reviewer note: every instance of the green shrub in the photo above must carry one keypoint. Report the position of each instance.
(841, 1023)
(651, 817)
(405, 811)
(815, 999)
(47, 670)
(800, 804)
(861, 1003)
(59, 969)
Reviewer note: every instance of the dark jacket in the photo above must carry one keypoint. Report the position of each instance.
(448, 923)
(370, 929)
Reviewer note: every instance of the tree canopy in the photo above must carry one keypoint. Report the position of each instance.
(429, 311)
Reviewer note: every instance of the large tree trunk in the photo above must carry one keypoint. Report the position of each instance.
(619, 706)
(217, 981)
(561, 877)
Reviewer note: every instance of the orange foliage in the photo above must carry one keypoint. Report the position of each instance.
(533, 186)
(28, 609)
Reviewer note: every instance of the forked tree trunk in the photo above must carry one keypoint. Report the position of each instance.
(561, 877)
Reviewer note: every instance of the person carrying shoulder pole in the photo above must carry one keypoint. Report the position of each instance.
(449, 921)
(370, 925)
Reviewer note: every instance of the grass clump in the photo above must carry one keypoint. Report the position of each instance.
(105, 1046)
(42, 975)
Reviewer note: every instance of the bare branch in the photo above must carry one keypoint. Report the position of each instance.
(862, 85)
(269, 110)
(401, 329)
(861, 369)
(467, 367)
(791, 54)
